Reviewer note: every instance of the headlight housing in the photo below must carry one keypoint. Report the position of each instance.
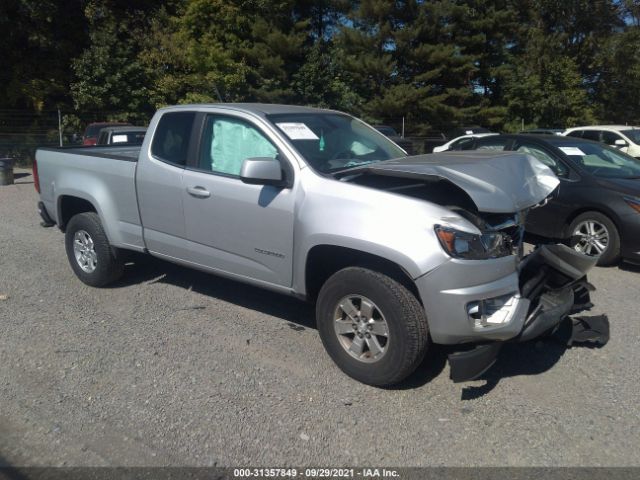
(468, 246)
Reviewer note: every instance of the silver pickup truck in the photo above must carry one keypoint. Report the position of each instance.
(397, 252)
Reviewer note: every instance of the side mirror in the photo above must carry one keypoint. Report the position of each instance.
(262, 171)
(621, 143)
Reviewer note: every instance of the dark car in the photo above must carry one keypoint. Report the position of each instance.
(121, 136)
(93, 129)
(390, 132)
(596, 208)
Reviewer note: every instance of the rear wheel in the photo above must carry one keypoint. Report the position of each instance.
(92, 259)
(373, 328)
(594, 234)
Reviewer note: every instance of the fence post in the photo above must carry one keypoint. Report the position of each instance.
(60, 126)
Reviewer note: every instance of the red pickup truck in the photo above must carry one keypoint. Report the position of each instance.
(90, 136)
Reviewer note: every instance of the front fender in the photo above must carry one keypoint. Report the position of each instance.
(397, 228)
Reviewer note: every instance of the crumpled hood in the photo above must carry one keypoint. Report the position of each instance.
(497, 182)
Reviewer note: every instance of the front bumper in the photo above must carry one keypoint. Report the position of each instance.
(528, 298)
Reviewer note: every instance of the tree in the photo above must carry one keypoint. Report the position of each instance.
(109, 78)
(617, 95)
(545, 88)
(38, 39)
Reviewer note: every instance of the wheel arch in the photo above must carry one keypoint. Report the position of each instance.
(324, 260)
(71, 205)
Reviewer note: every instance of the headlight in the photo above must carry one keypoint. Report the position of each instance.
(473, 247)
(633, 203)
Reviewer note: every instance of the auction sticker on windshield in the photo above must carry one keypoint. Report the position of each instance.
(575, 151)
(297, 131)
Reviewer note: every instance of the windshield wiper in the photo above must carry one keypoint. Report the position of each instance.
(360, 164)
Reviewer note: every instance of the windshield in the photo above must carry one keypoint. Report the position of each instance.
(600, 160)
(332, 141)
(633, 135)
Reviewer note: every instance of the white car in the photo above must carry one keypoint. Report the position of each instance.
(458, 142)
(623, 137)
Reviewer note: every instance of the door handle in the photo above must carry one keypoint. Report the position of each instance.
(198, 191)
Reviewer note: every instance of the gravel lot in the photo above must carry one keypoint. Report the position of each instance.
(176, 367)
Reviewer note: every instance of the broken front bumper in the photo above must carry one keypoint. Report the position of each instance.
(551, 285)
(501, 300)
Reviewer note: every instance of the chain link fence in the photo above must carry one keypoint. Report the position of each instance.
(23, 131)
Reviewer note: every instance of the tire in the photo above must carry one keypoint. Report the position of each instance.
(611, 253)
(407, 339)
(97, 263)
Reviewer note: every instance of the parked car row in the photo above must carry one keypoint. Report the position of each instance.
(623, 137)
(596, 206)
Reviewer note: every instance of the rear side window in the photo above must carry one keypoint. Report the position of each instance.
(461, 144)
(575, 133)
(610, 138)
(171, 140)
(591, 135)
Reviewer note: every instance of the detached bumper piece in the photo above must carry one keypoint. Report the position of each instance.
(590, 330)
(553, 278)
(469, 365)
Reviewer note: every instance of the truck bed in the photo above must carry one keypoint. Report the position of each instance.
(104, 176)
(115, 152)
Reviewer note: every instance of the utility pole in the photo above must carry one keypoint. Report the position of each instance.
(60, 127)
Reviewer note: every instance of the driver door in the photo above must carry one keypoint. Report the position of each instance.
(235, 227)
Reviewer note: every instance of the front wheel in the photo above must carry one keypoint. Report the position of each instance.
(373, 328)
(92, 259)
(594, 234)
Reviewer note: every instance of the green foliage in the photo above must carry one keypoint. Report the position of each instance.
(109, 77)
(618, 93)
(437, 64)
(37, 40)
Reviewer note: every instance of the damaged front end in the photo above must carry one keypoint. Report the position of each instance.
(487, 292)
(552, 286)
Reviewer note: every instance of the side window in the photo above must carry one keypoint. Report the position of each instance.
(592, 135)
(498, 144)
(575, 133)
(610, 138)
(558, 167)
(228, 141)
(171, 140)
(461, 144)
